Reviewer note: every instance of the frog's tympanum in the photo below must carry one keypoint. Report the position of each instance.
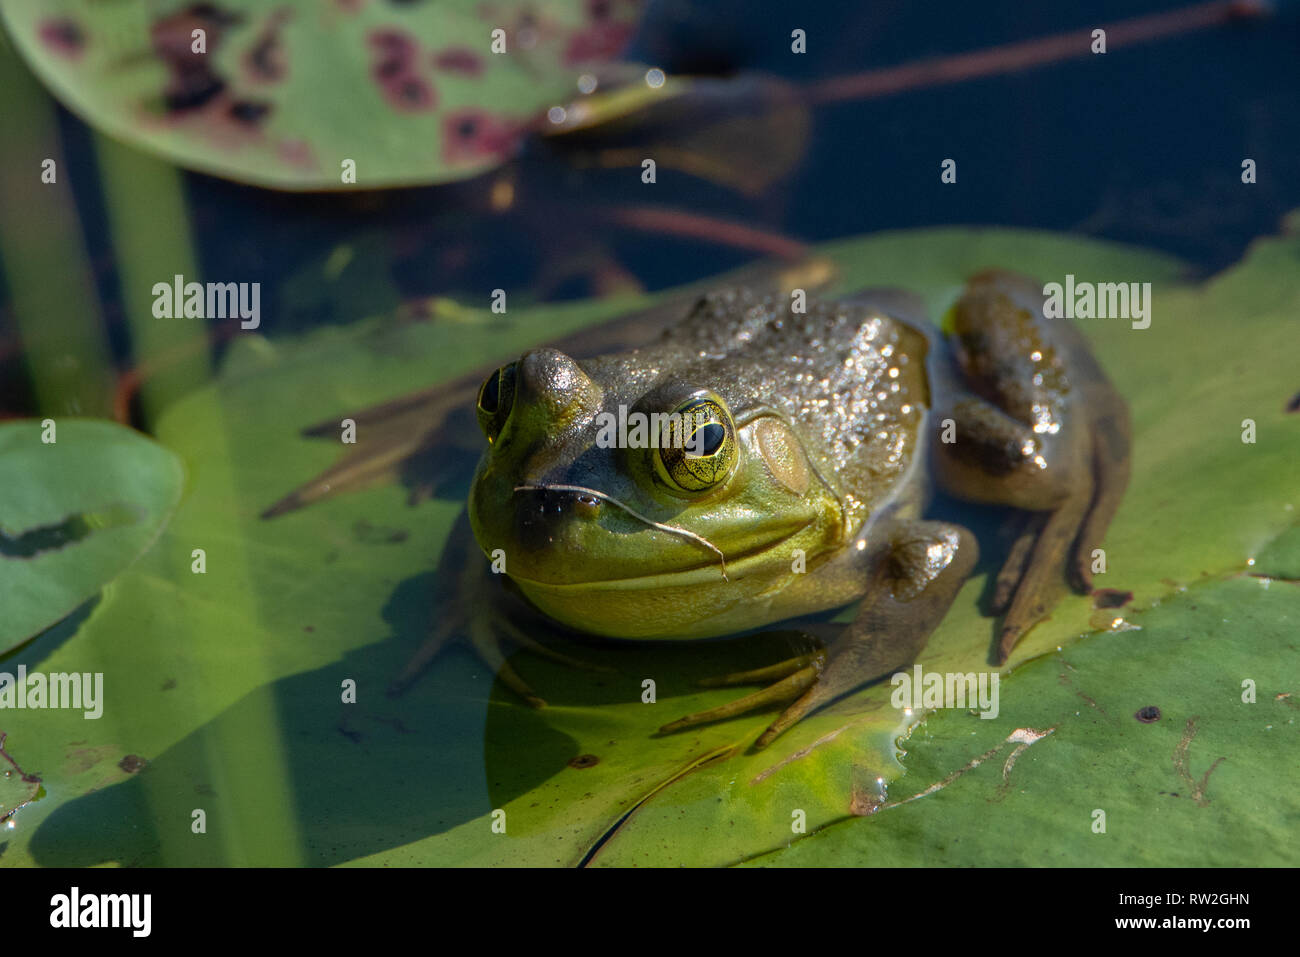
(797, 482)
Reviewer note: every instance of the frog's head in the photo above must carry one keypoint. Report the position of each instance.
(617, 519)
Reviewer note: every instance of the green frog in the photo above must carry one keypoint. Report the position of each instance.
(792, 450)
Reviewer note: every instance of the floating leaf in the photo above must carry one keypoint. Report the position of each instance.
(1280, 558)
(282, 93)
(18, 788)
(73, 514)
(743, 132)
(1148, 727)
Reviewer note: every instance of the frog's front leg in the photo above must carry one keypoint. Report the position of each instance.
(1036, 425)
(474, 605)
(911, 585)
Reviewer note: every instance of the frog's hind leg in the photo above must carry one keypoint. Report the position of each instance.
(996, 459)
(1036, 425)
(1059, 545)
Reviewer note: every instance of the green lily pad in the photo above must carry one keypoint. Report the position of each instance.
(232, 684)
(1094, 765)
(18, 788)
(74, 513)
(1280, 558)
(284, 93)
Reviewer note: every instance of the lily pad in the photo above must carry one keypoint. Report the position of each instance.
(282, 94)
(18, 788)
(79, 501)
(232, 685)
(1280, 558)
(1095, 765)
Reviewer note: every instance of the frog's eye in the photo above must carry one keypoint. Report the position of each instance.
(495, 397)
(697, 446)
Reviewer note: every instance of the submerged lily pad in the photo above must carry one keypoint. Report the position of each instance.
(74, 512)
(262, 647)
(281, 94)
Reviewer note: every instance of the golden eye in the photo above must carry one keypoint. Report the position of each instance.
(697, 446)
(495, 397)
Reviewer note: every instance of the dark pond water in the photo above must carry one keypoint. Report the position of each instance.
(1142, 145)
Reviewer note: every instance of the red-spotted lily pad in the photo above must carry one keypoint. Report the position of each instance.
(282, 93)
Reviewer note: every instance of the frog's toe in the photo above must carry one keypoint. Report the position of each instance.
(487, 638)
(790, 687)
(486, 642)
(1035, 572)
(796, 712)
(525, 640)
(1110, 432)
(755, 676)
(1013, 568)
(510, 678)
(425, 654)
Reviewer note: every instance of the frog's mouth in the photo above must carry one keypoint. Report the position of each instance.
(662, 527)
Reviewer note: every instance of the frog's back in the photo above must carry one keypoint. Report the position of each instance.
(850, 377)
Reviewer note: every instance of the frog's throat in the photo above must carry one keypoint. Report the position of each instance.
(671, 529)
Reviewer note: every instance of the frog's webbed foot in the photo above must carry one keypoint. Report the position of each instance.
(909, 593)
(1046, 433)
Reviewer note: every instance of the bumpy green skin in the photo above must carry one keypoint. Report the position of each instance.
(836, 396)
(844, 417)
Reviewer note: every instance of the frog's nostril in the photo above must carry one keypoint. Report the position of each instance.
(540, 507)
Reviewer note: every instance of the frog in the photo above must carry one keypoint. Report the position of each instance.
(795, 449)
